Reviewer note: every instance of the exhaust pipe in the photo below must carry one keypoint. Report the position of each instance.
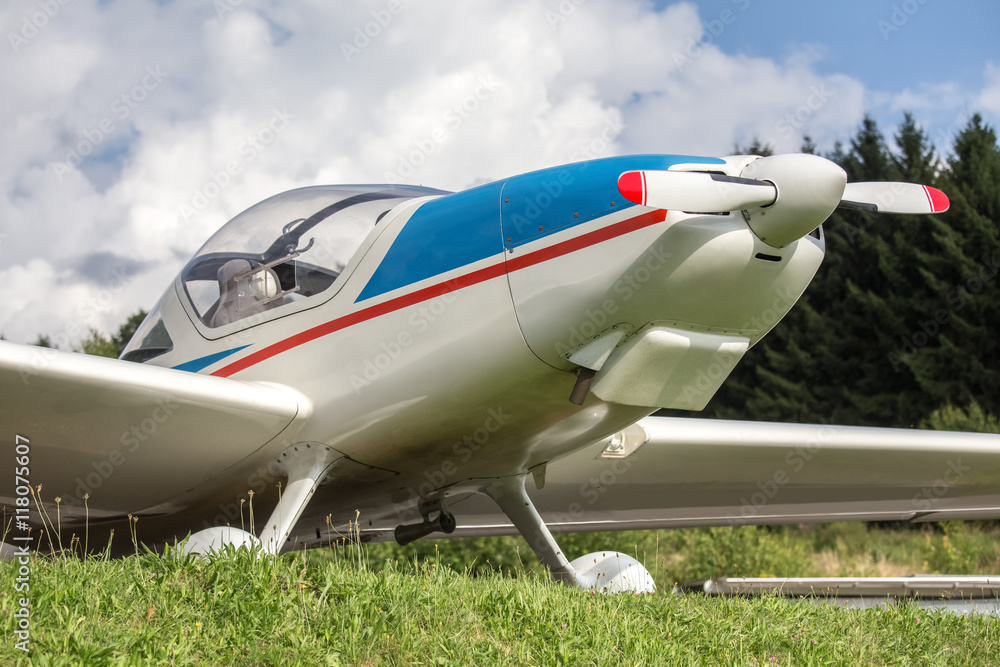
(445, 523)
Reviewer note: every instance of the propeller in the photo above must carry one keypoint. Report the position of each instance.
(783, 197)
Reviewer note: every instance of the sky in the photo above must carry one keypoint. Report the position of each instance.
(132, 130)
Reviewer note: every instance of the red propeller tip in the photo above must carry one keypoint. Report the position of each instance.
(939, 200)
(632, 185)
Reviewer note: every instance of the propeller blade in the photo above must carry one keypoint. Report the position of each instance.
(891, 197)
(695, 192)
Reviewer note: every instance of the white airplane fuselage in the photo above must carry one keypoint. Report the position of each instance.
(439, 357)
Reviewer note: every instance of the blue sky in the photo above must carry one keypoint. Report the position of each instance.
(925, 56)
(938, 42)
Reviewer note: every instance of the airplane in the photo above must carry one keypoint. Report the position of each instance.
(393, 361)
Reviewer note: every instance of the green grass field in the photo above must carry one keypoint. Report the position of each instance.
(463, 602)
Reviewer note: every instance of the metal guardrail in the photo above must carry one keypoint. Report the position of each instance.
(916, 586)
(957, 593)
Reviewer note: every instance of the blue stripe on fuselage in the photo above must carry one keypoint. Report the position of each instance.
(443, 234)
(462, 228)
(196, 365)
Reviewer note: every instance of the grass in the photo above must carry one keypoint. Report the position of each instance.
(835, 550)
(446, 604)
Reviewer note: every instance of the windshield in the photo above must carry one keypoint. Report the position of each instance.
(285, 249)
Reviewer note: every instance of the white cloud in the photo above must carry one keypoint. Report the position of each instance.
(989, 99)
(496, 88)
(927, 97)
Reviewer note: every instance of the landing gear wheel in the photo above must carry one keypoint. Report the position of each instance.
(214, 540)
(612, 572)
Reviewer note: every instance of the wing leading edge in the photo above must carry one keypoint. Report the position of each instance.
(129, 436)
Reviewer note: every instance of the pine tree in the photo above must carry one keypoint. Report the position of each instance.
(971, 419)
(98, 345)
(127, 330)
(755, 147)
(893, 292)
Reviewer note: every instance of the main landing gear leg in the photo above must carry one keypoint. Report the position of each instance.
(606, 571)
(306, 465)
(509, 494)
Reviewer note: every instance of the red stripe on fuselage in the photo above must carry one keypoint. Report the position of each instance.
(481, 275)
(586, 240)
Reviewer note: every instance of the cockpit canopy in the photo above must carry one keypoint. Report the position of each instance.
(285, 249)
(288, 248)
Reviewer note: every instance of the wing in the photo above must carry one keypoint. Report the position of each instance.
(129, 436)
(705, 472)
